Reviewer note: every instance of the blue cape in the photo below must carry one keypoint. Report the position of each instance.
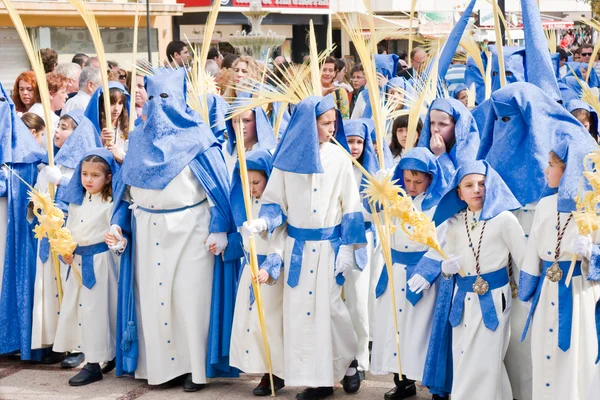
(423, 160)
(264, 131)
(497, 199)
(84, 138)
(92, 112)
(298, 150)
(473, 75)
(257, 160)
(386, 64)
(573, 84)
(521, 116)
(397, 82)
(218, 109)
(573, 66)
(567, 93)
(362, 128)
(170, 138)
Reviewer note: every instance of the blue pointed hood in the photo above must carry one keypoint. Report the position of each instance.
(514, 64)
(256, 160)
(473, 76)
(84, 138)
(573, 66)
(497, 198)
(539, 68)
(423, 160)
(218, 109)
(17, 144)
(567, 93)
(465, 130)
(362, 128)
(386, 64)
(454, 40)
(521, 116)
(172, 135)
(74, 192)
(92, 112)
(298, 149)
(574, 85)
(264, 131)
(582, 105)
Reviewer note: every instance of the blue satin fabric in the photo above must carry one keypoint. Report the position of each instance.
(386, 64)
(496, 280)
(44, 252)
(565, 302)
(88, 277)
(301, 236)
(408, 258)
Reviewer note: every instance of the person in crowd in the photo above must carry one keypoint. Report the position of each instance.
(36, 126)
(461, 93)
(141, 97)
(49, 59)
(418, 60)
(92, 62)
(341, 78)
(586, 115)
(359, 81)
(25, 92)
(244, 70)
(80, 59)
(399, 135)
(177, 54)
(329, 70)
(89, 81)
(72, 71)
(456, 73)
(57, 86)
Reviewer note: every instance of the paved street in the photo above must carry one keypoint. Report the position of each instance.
(25, 381)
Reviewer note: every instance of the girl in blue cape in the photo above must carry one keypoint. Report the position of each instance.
(584, 114)
(115, 141)
(563, 319)
(450, 132)
(481, 234)
(312, 189)
(87, 320)
(178, 184)
(257, 132)
(73, 138)
(421, 176)
(247, 351)
(20, 152)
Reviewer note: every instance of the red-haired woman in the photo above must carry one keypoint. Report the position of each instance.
(57, 86)
(25, 93)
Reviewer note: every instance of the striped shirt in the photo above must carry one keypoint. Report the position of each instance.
(455, 76)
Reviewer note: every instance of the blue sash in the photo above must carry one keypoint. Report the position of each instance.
(88, 277)
(496, 280)
(408, 258)
(173, 210)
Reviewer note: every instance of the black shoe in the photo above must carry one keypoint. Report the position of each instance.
(264, 387)
(52, 358)
(73, 360)
(109, 366)
(178, 381)
(351, 384)
(438, 397)
(90, 373)
(401, 393)
(190, 386)
(315, 393)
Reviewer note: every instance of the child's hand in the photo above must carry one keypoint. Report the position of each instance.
(437, 145)
(107, 137)
(381, 80)
(116, 152)
(68, 259)
(263, 276)
(110, 239)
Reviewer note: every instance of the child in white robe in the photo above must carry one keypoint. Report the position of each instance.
(87, 321)
(247, 351)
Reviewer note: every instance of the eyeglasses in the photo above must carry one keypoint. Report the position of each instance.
(122, 76)
(586, 54)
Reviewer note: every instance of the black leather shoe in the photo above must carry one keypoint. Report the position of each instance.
(178, 381)
(52, 358)
(315, 393)
(90, 373)
(264, 387)
(351, 384)
(190, 386)
(73, 360)
(109, 366)
(401, 393)
(438, 397)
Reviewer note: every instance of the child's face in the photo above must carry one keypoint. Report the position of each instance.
(442, 124)
(358, 80)
(585, 121)
(326, 125)
(258, 182)
(63, 131)
(116, 109)
(248, 126)
(463, 97)
(401, 136)
(356, 145)
(416, 183)
(471, 190)
(396, 96)
(554, 172)
(93, 177)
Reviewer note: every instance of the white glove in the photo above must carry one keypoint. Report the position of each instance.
(345, 260)
(451, 266)
(257, 226)
(119, 247)
(582, 246)
(527, 305)
(52, 174)
(219, 240)
(418, 283)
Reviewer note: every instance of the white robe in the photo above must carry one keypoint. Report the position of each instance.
(46, 305)
(88, 317)
(478, 352)
(414, 322)
(173, 280)
(247, 352)
(564, 375)
(319, 339)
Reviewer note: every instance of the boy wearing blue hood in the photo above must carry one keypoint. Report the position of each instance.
(312, 189)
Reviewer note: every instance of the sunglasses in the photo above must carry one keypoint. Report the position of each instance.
(586, 54)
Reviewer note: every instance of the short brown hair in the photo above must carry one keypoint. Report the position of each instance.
(33, 121)
(56, 82)
(555, 158)
(49, 59)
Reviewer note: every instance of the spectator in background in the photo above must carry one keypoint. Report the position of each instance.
(586, 52)
(89, 81)
(141, 96)
(92, 62)
(49, 59)
(279, 60)
(215, 55)
(25, 92)
(382, 47)
(329, 71)
(57, 86)
(177, 54)
(113, 66)
(403, 56)
(340, 78)
(80, 59)
(72, 72)
(358, 80)
(418, 59)
(122, 77)
(228, 60)
(456, 73)
(576, 54)
(36, 127)
(564, 57)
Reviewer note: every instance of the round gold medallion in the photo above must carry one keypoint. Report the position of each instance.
(481, 286)
(554, 273)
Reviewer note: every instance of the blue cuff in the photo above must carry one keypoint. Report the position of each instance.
(527, 285)
(428, 268)
(273, 265)
(218, 224)
(273, 214)
(234, 250)
(594, 269)
(353, 229)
